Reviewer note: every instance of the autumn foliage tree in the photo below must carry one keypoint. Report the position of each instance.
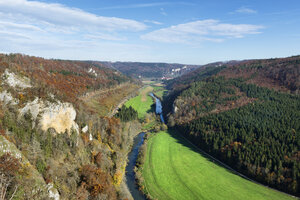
(9, 167)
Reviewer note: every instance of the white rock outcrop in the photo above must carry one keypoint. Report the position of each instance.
(33, 107)
(14, 80)
(53, 193)
(92, 71)
(60, 116)
(85, 129)
(7, 98)
(7, 147)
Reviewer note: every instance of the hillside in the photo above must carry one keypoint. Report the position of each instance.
(246, 114)
(280, 74)
(150, 70)
(56, 141)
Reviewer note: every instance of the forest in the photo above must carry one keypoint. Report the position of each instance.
(260, 139)
(253, 129)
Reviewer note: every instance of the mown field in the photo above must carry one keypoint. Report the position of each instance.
(174, 169)
(141, 103)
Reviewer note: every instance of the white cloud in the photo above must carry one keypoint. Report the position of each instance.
(245, 10)
(57, 31)
(60, 16)
(201, 30)
(153, 22)
(44, 29)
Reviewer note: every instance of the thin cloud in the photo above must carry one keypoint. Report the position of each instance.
(146, 5)
(153, 22)
(201, 30)
(102, 36)
(245, 10)
(163, 12)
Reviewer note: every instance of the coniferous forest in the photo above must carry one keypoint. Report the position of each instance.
(253, 129)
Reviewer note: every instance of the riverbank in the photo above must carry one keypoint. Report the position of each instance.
(143, 103)
(170, 167)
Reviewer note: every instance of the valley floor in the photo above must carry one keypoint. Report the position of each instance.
(174, 169)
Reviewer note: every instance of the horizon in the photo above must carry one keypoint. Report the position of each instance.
(185, 32)
(222, 61)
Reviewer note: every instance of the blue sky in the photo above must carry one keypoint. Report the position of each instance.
(188, 31)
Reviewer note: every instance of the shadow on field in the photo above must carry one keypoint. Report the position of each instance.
(185, 142)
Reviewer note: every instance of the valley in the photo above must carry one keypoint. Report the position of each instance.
(175, 169)
(88, 134)
(149, 100)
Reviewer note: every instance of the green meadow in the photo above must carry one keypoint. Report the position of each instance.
(142, 103)
(174, 169)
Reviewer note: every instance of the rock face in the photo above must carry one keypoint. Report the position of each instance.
(7, 98)
(14, 80)
(53, 193)
(57, 115)
(60, 116)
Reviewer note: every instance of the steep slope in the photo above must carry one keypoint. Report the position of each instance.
(243, 113)
(72, 152)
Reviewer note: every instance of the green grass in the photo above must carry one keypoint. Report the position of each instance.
(141, 103)
(159, 91)
(174, 169)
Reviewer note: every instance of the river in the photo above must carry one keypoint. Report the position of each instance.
(158, 109)
(130, 174)
(132, 156)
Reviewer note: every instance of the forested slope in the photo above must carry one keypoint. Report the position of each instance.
(247, 114)
(56, 147)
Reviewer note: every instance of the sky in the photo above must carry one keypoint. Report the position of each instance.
(177, 31)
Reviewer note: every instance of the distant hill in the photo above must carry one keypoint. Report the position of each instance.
(150, 70)
(279, 74)
(246, 113)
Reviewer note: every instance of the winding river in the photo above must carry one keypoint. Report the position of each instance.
(130, 174)
(132, 156)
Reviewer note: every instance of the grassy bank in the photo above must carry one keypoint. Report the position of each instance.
(174, 169)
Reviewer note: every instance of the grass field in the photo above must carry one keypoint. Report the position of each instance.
(159, 91)
(141, 103)
(174, 169)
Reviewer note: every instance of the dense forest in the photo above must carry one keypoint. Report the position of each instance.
(254, 129)
(127, 114)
